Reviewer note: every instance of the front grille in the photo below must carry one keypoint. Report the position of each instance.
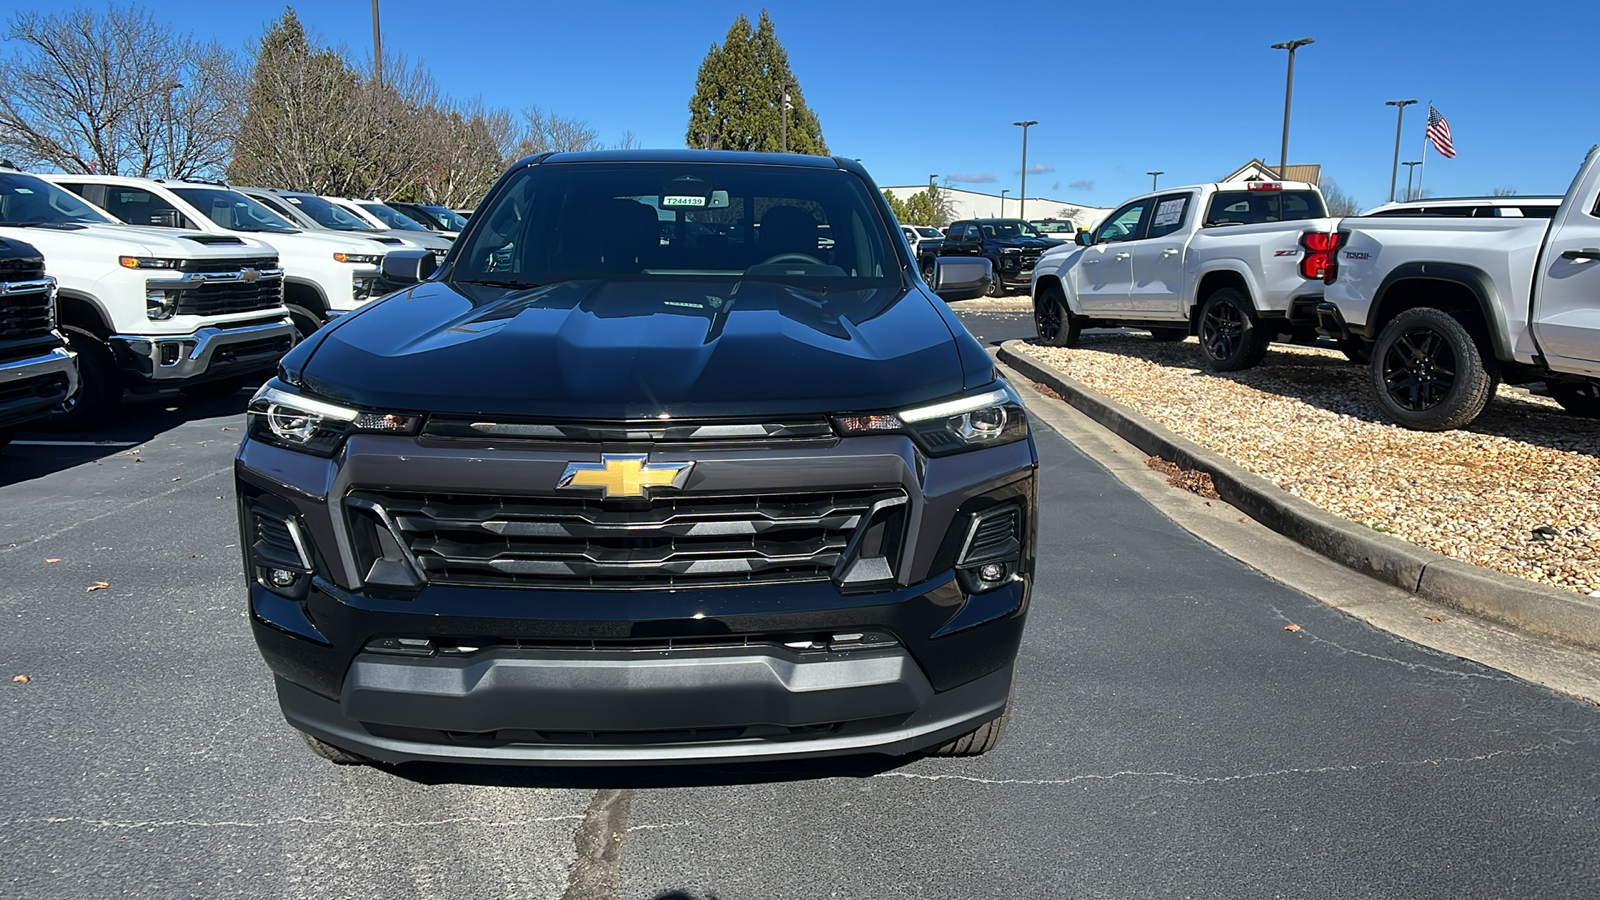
(45, 387)
(21, 268)
(473, 540)
(220, 298)
(27, 314)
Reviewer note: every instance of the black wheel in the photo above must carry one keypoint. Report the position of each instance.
(334, 754)
(215, 390)
(99, 383)
(1427, 372)
(994, 287)
(1581, 398)
(978, 741)
(1231, 338)
(1168, 335)
(305, 322)
(1053, 321)
(1357, 351)
(927, 271)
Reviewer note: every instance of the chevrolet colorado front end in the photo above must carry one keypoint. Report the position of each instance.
(677, 459)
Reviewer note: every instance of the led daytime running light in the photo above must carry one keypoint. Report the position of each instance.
(955, 407)
(275, 397)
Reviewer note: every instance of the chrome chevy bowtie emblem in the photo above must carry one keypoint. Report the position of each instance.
(625, 476)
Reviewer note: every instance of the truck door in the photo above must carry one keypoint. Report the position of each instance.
(1105, 269)
(1566, 308)
(1158, 258)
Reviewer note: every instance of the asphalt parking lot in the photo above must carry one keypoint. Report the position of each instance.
(1170, 739)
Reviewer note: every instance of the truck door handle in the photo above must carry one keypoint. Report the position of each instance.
(1170, 251)
(1579, 255)
(1123, 255)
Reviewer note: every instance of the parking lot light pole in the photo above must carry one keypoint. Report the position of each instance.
(1022, 195)
(1394, 174)
(1003, 202)
(1288, 96)
(1410, 167)
(377, 48)
(1153, 176)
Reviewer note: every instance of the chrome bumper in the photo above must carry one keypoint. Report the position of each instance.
(206, 352)
(56, 362)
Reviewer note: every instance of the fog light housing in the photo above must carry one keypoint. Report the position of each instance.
(282, 578)
(992, 549)
(992, 573)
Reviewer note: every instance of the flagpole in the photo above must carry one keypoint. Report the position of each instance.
(1422, 170)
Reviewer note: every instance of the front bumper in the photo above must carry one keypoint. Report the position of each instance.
(207, 353)
(31, 387)
(590, 676)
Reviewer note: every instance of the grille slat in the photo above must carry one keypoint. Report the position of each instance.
(25, 314)
(220, 298)
(591, 543)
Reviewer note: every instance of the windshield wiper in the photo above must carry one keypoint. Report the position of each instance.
(510, 283)
(59, 226)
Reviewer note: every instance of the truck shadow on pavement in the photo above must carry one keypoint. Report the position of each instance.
(40, 451)
(619, 777)
(1324, 378)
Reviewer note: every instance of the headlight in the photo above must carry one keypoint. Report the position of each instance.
(359, 259)
(149, 262)
(986, 419)
(1010, 249)
(281, 416)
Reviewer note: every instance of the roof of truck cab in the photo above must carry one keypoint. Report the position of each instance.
(714, 157)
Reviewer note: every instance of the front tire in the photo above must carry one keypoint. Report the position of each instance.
(1168, 335)
(978, 741)
(1428, 373)
(1053, 322)
(1231, 337)
(99, 383)
(335, 755)
(1580, 398)
(994, 288)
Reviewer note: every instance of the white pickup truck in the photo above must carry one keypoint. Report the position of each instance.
(325, 275)
(148, 309)
(1237, 264)
(1452, 306)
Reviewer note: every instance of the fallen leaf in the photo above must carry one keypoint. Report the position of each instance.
(52, 559)
(1243, 518)
(179, 478)
(1291, 628)
(1435, 618)
(99, 586)
(21, 679)
(140, 459)
(226, 428)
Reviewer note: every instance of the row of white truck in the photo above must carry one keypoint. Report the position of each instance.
(161, 285)
(1442, 301)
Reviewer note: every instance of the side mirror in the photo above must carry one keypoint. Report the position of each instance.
(1083, 239)
(961, 277)
(166, 218)
(403, 268)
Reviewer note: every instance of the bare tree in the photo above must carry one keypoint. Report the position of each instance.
(116, 93)
(1505, 192)
(1339, 203)
(546, 132)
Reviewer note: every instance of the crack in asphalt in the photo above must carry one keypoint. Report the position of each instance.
(292, 820)
(1180, 778)
(1409, 666)
(116, 509)
(601, 838)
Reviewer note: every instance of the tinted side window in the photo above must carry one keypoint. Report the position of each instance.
(137, 206)
(1123, 225)
(1255, 207)
(1171, 214)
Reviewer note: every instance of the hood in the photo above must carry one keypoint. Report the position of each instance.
(324, 242)
(635, 350)
(136, 240)
(1039, 243)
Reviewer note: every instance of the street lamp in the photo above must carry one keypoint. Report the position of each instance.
(1022, 195)
(1288, 95)
(1410, 167)
(1153, 176)
(783, 94)
(1003, 202)
(377, 48)
(1394, 173)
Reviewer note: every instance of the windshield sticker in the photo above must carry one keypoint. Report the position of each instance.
(683, 201)
(1169, 212)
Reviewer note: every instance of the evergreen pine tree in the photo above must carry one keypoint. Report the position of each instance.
(738, 99)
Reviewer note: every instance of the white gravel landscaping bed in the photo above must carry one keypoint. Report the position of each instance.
(1305, 419)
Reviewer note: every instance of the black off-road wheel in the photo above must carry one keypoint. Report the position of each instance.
(1054, 323)
(336, 755)
(995, 288)
(927, 271)
(1231, 337)
(99, 384)
(1427, 372)
(978, 741)
(1581, 398)
(1168, 335)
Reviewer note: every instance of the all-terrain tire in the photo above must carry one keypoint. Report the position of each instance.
(99, 383)
(995, 288)
(978, 741)
(336, 755)
(1053, 322)
(1581, 398)
(1168, 335)
(1428, 373)
(1231, 337)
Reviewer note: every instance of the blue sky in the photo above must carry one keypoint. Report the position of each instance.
(1191, 88)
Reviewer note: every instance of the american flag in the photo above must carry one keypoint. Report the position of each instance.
(1439, 133)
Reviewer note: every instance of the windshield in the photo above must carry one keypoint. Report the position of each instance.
(928, 232)
(1007, 228)
(392, 217)
(815, 229)
(1054, 226)
(1255, 207)
(326, 214)
(233, 210)
(447, 218)
(26, 200)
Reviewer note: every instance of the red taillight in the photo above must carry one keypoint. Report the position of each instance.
(1319, 260)
(1263, 186)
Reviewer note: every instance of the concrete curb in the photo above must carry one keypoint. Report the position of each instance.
(1471, 589)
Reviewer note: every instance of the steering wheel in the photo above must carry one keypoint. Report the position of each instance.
(791, 257)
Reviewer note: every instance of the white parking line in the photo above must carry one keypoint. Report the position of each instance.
(76, 443)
